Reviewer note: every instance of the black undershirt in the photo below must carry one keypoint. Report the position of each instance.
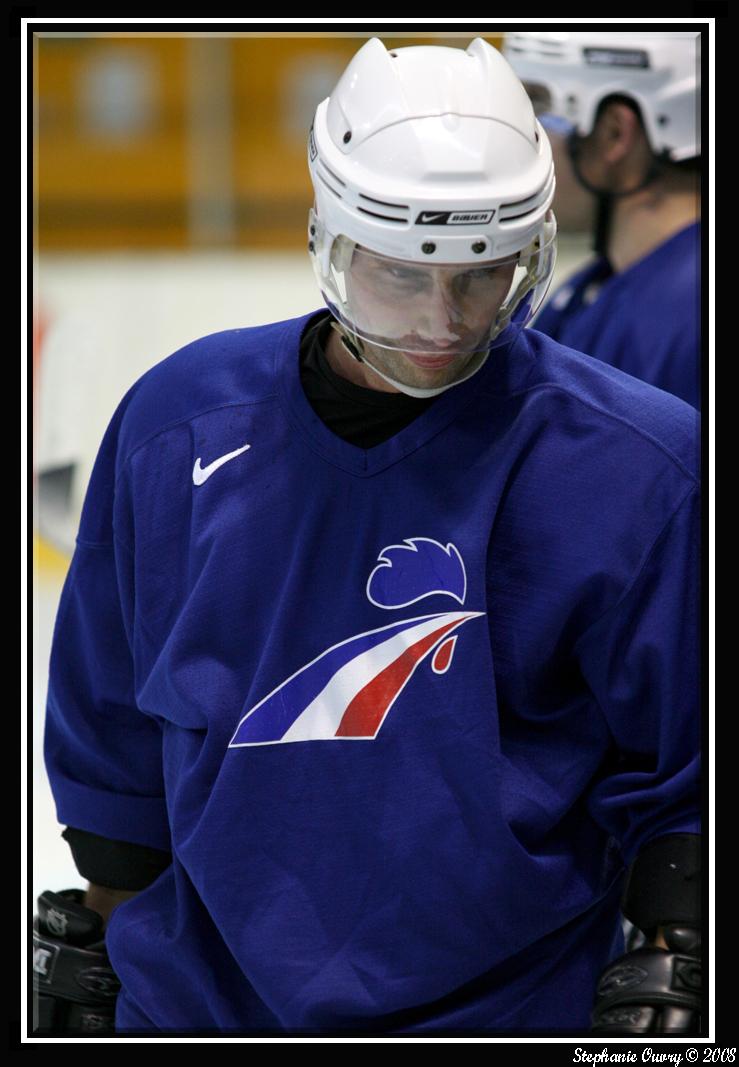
(362, 417)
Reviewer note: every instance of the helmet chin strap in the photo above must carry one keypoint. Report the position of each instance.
(355, 348)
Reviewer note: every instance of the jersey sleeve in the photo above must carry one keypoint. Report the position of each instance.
(103, 755)
(641, 661)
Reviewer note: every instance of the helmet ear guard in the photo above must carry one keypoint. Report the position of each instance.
(536, 273)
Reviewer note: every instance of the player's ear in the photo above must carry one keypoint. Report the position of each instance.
(618, 131)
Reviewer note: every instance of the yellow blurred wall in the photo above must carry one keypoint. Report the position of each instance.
(197, 140)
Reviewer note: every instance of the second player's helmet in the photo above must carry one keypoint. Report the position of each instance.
(431, 230)
(570, 74)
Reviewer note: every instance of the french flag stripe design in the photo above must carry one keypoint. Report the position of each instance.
(364, 715)
(348, 690)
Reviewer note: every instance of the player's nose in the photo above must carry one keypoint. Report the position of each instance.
(441, 314)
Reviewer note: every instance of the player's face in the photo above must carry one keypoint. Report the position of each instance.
(423, 325)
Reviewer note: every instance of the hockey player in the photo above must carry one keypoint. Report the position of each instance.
(375, 670)
(621, 110)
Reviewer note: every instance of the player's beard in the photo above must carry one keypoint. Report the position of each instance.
(396, 364)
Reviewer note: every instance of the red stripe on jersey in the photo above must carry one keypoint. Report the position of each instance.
(365, 713)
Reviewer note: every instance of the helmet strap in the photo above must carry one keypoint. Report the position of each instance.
(350, 341)
(603, 216)
(605, 197)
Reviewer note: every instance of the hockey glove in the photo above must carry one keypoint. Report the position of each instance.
(74, 985)
(652, 990)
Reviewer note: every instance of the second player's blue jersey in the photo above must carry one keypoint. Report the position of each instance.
(645, 320)
(402, 714)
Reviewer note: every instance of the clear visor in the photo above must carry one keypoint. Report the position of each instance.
(435, 310)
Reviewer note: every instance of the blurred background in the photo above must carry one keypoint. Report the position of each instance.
(171, 201)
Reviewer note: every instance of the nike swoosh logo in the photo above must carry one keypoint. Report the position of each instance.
(432, 218)
(201, 474)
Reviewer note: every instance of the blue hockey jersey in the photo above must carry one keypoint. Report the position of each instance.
(644, 320)
(402, 714)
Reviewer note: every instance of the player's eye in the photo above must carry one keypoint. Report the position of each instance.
(475, 280)
(401, 279)
(406, 274)
(481, 274)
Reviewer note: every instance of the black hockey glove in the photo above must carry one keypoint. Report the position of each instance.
(652, 990)
(74, 985)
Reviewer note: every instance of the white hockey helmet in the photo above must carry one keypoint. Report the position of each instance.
(569, 74)
(433, 182)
